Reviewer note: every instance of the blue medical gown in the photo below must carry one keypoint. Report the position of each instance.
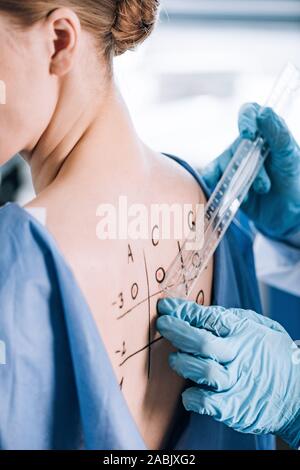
(58, 389)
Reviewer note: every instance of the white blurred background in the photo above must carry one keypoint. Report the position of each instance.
(185, 84)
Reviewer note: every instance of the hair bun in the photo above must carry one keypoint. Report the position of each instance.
(134, 22)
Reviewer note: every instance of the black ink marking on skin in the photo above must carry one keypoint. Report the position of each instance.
(130, 254)
(140, 350)
(200, 298)
(183, 268)
(155, 241)
(134, 291)
(121, 299)
(149, 315)
(121, 383)
(183, 282)
(122, 351)
(138, 304)
(160, 275)
(196, 260)
(191, 222)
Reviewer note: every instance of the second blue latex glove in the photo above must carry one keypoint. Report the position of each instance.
(245, 367)
(273, 202)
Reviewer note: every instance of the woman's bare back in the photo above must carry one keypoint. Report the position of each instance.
(121, 281)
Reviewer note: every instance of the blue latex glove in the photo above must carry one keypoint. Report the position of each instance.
(246, 367)
(273, 202)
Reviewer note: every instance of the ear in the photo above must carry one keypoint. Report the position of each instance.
(65, 29)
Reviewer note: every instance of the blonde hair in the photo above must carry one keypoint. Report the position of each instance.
(117, 25)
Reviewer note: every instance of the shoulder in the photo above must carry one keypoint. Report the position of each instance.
(191, 178)
(181, 178)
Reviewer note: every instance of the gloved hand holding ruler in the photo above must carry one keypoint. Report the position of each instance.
(228, 196)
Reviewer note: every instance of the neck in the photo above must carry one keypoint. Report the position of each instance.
(83, 134)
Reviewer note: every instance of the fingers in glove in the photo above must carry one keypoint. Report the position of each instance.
(219, 405)
(248, 120)
(262, 183)
(277, 135)
(218, 320)
(213, 172)
(195, 341)
(202, 371)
